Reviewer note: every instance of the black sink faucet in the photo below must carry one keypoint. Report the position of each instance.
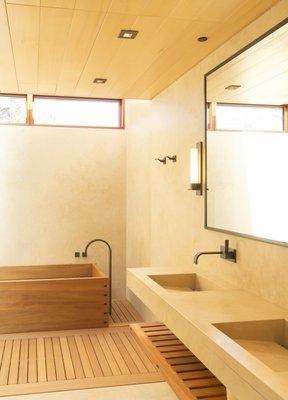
(225, 252)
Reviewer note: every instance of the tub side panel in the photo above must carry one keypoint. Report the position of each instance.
(27, 306)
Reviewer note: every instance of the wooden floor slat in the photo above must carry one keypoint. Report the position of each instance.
(23, 362)
(14, 365)
(96, 368)
(73, 360)
(78, 369)
(59, 365)
(100, 356)
(32, 361)
(123, 313)
(188, 377)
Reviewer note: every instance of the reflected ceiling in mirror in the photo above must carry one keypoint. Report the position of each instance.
(247, 141)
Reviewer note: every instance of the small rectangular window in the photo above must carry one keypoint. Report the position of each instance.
(249, 117)
(102, 113)
(12, 109)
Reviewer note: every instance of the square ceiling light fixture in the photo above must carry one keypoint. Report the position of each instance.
(127, 34)
(100, 80)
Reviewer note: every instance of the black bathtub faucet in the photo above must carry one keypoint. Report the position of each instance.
(85, 254)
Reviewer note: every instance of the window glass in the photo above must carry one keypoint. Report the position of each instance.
(12, 109)
(249, 117)
(77, 112)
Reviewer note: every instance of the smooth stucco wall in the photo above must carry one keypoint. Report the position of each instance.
(60, 188)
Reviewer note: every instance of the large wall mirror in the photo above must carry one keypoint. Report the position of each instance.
(247, 141)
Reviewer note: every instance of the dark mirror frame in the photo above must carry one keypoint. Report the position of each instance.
(263, 36)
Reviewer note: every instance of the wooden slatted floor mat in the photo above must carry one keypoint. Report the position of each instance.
(123, 312)
(188, 377)
(54, 361)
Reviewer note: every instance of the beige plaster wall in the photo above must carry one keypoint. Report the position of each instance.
(60, 188)
(165, 220)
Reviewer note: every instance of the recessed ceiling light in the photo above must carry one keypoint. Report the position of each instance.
(232, 87)
(100, 80)
(127, 34)
(202, 39)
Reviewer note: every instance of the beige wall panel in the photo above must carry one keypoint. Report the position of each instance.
(175, 120)
(62, 187)
(24, 28)
(54, 29)
(138, 182)
(8, 79)
(84, 28)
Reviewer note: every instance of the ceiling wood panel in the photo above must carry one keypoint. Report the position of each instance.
(24, 2)
(192, 54)
(92, 5)
(8, 79)
(54, 29)
(102, 53)
(58, 3)
(24, 28)
(262, 72)
(60, 46)
(162, 35)
(84, 29)
(163, 63)
(126, 51)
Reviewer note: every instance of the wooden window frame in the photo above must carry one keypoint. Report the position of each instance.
(30, 106)
(24, 96)
(121, 111)
(212, 116)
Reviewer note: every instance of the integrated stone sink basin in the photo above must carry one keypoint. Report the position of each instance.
(184, 282)
(265, 340)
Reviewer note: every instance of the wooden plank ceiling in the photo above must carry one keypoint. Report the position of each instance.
(261, 71)
(60, 46)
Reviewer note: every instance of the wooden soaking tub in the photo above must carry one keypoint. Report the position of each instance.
(52, 297)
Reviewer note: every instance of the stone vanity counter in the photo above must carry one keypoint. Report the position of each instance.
(192, 316)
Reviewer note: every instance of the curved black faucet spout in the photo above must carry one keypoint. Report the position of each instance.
(84, 254)
(197, 255)
(225, 252)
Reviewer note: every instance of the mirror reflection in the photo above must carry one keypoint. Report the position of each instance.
(247, 142)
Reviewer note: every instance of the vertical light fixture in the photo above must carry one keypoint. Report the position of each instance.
(196, 174)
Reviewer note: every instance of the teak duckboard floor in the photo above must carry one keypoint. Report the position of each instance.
(187, 376)
(69, 360)
(123, 312)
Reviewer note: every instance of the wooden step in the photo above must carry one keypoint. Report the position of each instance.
(188, 377)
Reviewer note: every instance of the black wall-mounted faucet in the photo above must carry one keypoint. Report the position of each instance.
(85, 254)
(172, 158)
(225, 252)
(162, 160)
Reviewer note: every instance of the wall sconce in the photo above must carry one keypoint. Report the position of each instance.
(196, 174)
